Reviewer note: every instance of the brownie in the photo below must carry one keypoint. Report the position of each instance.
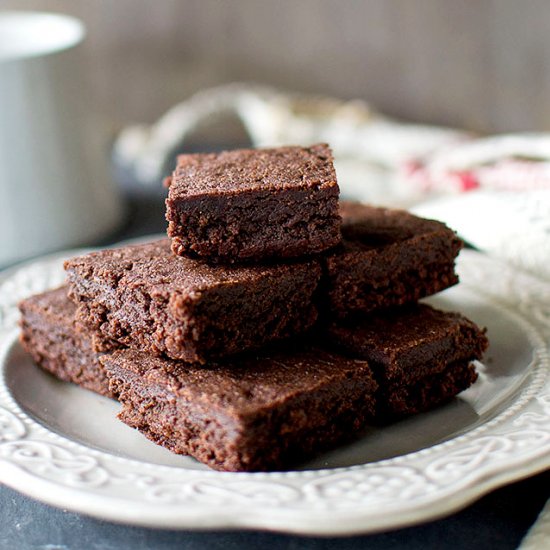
(49, 334)
(260, 412)
(387, 258)
(250, 205)
(420, 355)
(146, 298)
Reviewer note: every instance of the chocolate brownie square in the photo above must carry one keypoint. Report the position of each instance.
(250, 205)
(49, 334)
(146, 298)
(388, 258)
(420, 356)
(260, 412)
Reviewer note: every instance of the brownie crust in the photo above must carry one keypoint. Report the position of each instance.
(388, 258)
(251, 205)
(146, 298)
(49, 334)
(263, 412)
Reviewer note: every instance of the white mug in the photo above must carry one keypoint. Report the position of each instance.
(54, 186)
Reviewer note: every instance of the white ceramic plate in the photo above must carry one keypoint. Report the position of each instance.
(63, 445)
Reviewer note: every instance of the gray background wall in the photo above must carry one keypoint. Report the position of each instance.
(479, 64)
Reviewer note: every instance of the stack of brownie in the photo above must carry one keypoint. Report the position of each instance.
(275, 322)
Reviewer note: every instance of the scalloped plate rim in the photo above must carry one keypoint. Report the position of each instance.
(277, 518)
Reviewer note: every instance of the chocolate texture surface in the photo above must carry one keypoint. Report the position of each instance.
(49, 334)
(387, 258)
(146, 298)
(260, 412)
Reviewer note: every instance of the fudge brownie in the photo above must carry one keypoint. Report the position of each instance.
(420, 355)
(253, 414)
(249, 205)
(146, 298)
(387, 258)
(49, 334)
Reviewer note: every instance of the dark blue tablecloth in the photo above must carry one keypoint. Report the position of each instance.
(497, 521)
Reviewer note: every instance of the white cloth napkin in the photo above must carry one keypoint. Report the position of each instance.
(514, 226)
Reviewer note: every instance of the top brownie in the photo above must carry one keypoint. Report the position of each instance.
(248, 205)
